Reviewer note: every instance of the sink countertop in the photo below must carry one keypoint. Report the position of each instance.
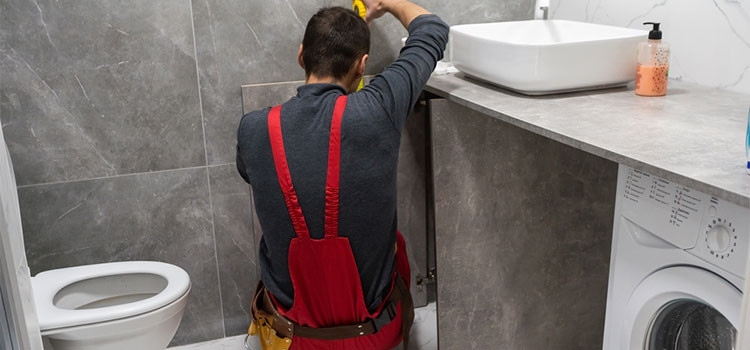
(693, 136)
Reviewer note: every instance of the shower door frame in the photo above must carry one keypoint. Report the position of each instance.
(8, 337)
(17, 311)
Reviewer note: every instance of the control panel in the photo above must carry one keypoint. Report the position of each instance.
(712, 229)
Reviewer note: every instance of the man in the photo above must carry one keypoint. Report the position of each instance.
(323, 171)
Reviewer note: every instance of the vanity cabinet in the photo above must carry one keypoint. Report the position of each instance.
(523, 232)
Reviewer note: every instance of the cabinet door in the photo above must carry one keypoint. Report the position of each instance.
(523, 229)
(412, 199)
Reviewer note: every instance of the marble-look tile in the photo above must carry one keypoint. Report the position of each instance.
(412, 199)
(240, 42)
(523, 232)
(93, 89)
(222, 122)
(235, 245)
(481, 11)
(724, 32)
(162, 216)
(386, 33)
(259, 96)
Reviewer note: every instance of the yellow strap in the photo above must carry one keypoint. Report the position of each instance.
(253, 330)
(268, 338)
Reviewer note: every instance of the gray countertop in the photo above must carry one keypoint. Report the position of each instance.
(694, 136)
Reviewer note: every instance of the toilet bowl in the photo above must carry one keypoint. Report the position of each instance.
(113, 306)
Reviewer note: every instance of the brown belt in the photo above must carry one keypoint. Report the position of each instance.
(263, 307)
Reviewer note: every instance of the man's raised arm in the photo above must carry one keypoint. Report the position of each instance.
(397, 88)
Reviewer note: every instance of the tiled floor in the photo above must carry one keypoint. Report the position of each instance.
(424, 332)
(423, 335)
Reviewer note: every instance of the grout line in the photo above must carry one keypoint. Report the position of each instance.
(123, 175)
(275, 83)
(111, 176)
(216, 254)
(208, 175)
(218, 165)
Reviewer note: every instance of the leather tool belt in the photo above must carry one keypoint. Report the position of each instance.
(263, 307)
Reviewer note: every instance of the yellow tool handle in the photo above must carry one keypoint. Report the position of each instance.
(359, 7)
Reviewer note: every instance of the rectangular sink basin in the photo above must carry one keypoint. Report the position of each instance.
(542, 57)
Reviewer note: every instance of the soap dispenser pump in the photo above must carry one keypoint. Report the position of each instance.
(653, 64)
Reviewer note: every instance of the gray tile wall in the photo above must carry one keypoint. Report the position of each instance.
(235, 245)
(164, 216)
(93, 89)
(523, 235)
(120, 118)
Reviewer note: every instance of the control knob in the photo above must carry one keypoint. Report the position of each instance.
(719, 239)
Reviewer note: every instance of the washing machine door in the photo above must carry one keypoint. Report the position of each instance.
(682, 308)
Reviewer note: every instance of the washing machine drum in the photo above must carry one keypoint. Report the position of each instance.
(682, 308)
(691, 325)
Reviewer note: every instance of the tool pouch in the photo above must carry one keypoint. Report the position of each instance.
(270, 339)
(262, 325)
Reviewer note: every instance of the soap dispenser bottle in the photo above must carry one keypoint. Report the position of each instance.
(653, 64)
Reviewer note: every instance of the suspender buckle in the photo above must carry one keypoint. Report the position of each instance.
(386, 316)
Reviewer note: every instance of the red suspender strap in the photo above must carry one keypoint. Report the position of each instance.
(282, 172)
(334, 170)
(332, 179)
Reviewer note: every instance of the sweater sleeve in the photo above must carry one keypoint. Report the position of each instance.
(397, 88)
(242, 135)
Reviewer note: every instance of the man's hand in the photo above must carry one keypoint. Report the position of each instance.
(404, 10)
(375, 9)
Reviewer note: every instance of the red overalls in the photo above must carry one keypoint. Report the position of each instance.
(327, 288)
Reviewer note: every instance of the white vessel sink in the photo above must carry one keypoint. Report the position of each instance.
(542, 57)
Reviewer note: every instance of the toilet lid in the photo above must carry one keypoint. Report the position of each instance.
(47, 284)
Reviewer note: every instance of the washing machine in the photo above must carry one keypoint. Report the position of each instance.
(677, 267)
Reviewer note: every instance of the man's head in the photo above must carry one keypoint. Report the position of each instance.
(335, 47)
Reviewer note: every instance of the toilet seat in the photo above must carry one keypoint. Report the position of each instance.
(46, 286)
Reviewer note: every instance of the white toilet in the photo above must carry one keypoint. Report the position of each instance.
(134, 305)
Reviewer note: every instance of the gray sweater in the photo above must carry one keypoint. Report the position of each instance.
(371, 134)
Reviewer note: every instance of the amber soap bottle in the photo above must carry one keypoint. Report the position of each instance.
(653, 64)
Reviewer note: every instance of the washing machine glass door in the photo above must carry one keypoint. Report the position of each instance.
(689, 325)
(682, 308)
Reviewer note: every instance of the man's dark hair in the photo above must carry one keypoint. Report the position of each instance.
(334, 39)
